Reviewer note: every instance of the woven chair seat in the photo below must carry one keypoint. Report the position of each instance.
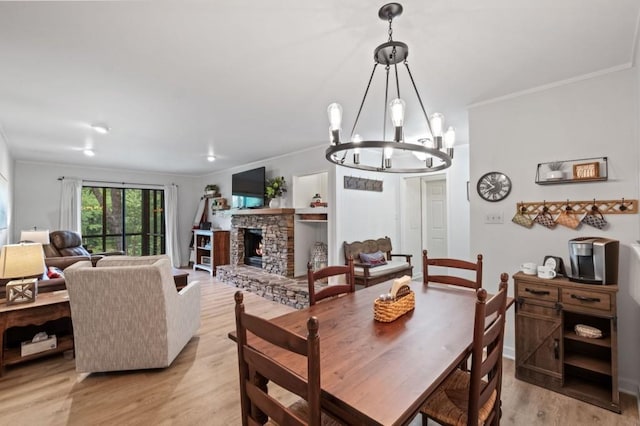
(448, 405)
(301, 408)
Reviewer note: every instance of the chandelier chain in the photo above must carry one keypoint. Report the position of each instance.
(415, 88)
(390, 29)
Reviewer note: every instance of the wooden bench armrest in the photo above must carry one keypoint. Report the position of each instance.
(365, 268)
(407, 256)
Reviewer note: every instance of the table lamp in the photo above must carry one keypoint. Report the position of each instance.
(20, 261)
(35, 236)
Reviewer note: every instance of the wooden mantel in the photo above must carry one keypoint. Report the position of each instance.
(263, 211)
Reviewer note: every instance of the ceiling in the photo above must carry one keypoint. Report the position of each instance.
(248, 80)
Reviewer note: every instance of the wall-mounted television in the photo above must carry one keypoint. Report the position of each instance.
(247, 189)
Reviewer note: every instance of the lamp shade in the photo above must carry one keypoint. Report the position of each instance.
(21, 260)
(41, 237)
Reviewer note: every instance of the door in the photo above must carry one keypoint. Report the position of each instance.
(435, 218)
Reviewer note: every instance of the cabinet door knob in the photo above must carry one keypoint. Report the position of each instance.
(556, 348)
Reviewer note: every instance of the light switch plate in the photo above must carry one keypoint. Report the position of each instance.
(494, 218)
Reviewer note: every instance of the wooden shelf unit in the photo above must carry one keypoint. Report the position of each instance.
(211, 249)
(550, 354)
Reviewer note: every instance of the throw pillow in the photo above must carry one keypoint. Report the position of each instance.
(54, 272)
(373, 259)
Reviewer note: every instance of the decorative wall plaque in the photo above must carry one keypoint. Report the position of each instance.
(351, 182)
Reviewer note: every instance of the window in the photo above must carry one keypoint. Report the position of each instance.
(127, 219)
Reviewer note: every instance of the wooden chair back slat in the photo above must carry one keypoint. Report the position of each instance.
(257, 368)
(452, 264)
(451, 280)
(275, 335)
(330, 290)
(488, 333)
(276, 372)
(272, 408)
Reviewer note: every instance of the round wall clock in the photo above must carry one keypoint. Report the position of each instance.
(494, 186)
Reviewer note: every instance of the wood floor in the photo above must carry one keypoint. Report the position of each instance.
(200, 388)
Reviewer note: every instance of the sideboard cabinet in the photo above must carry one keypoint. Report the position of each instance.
(550, 353)
(212, 249)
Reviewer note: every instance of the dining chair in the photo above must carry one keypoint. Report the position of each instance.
(452, 264)
(257, 369)
(332, 289)
(473, 398)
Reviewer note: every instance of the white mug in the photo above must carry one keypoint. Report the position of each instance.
(546, 272)
(529, 268)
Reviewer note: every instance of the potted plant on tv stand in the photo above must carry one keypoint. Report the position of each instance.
(274, 189)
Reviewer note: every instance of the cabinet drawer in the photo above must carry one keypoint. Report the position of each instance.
(537, 292)
(586, 298)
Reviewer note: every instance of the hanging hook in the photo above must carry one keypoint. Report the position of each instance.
(544, 206)
(568, 207)
(594, 207)
(622, 206)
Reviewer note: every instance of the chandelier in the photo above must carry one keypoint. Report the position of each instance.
(432, 152)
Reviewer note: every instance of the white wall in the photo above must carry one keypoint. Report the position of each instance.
(37, 195)
(6, 172)
(588, 118)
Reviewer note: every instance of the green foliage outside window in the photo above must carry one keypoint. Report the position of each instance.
(123, 219)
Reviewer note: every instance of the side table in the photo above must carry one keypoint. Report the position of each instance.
(47, 307)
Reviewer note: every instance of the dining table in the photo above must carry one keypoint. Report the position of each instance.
(381, 373)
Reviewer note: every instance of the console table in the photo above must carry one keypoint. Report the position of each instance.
(47, 307)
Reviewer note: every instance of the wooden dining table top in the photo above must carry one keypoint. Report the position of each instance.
(382, 373)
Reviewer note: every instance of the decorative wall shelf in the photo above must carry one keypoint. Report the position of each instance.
(582, 170)
(619, 206)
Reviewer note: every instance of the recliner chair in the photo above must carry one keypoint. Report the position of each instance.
(69, 243)
(127, 314)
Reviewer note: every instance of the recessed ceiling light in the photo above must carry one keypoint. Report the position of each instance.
(89, 152)
(101, 128)
(211, 158)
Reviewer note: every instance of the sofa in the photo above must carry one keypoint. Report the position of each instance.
(46, 284)
(374, 261)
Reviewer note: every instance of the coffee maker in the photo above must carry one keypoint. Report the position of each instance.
(594, 260)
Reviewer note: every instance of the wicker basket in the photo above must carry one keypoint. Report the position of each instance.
(390, 310)
(587, 331)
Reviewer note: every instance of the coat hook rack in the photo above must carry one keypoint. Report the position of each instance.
(619, 206)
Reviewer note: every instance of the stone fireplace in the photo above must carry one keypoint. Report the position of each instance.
(275, 228)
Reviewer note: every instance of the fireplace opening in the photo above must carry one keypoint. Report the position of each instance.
(253, 247)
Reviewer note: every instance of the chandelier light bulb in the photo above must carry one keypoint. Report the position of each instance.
(89, 152)
(335, 116)
(356, 139)
(437, 124)
(396, 112)
(335, 122)
(211, 158)
(449, 137)
(388, 153)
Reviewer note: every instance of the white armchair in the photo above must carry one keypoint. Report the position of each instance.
(128, 315)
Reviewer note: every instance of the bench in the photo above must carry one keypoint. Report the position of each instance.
(366, 274)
